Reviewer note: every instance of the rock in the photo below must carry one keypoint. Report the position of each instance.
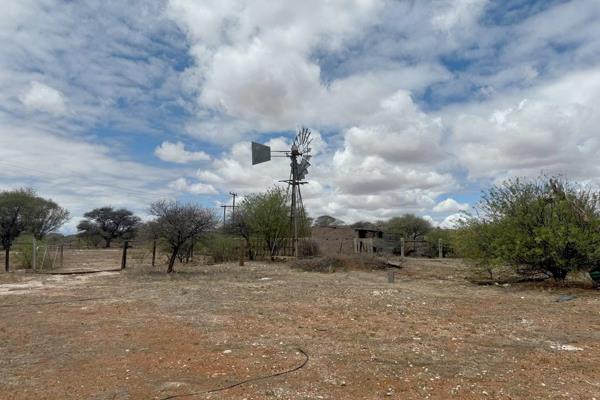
(565, 297)
(565, 347)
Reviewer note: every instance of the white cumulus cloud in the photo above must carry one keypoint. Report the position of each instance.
(450, 205)
(41, 97)
(176, 153)
(184, 186)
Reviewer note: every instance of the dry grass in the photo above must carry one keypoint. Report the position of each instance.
(142, 334)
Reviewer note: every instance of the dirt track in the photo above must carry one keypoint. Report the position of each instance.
(429, 335)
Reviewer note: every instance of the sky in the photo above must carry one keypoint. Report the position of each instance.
(415, 106)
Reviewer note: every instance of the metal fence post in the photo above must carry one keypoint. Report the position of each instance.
(440, 248)
(124, 258)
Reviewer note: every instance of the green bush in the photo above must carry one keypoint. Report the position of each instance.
(220, 247)
(546, 226)
(24, 253)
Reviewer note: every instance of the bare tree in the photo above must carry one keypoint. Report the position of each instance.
(108, 223)
(177, 224)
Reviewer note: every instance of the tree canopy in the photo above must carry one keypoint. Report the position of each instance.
(408, 226)
(327, 220)
(266, 216)
(22, 210)
(109, 224)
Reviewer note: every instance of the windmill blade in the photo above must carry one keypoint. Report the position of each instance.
(304, 164)
(306, 146)
(306, 135)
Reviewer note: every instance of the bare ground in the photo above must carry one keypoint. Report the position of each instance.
(431, 334)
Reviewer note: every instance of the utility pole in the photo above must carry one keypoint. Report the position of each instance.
(225, 207)
(224, 211)
(234, 195)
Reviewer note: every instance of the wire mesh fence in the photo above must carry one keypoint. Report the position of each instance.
(44, 256)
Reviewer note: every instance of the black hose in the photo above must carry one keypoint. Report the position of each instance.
(231, 386)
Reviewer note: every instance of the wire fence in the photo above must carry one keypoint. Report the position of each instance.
(27, 253)
(43, 256)
(385, 246)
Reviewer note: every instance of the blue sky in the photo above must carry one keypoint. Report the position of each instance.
(416, 106)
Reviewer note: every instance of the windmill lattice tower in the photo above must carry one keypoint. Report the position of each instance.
(299, 155)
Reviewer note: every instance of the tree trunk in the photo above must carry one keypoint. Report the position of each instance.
(107, 242)
(172, 261)
(6, 258)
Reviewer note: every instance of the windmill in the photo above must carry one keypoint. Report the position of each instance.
(299, 155)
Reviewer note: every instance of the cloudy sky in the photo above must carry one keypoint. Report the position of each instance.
(415, 105)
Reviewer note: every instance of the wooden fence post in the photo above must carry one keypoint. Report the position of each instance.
(440, 248)
(62, 255)
(154, 253)
(402, 247)
(242, 253)
(124, 258)
(33, 254)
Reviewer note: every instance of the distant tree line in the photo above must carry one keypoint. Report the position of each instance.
(22, 211)
(546, 226)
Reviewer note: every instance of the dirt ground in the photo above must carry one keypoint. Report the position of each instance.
(429, 335)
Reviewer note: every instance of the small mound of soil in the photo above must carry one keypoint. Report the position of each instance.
(319, 264)
(333, 264)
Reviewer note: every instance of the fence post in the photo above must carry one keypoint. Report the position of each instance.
(33, 254)
(242, 251)
(391, 275)
(440, 248)
(62, 254)
(402, 247)
(153, 253)
(124, 258)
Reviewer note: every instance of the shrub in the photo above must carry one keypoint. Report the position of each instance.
(546, 226)
(221, 248)
(333, 264)
(24, 253)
